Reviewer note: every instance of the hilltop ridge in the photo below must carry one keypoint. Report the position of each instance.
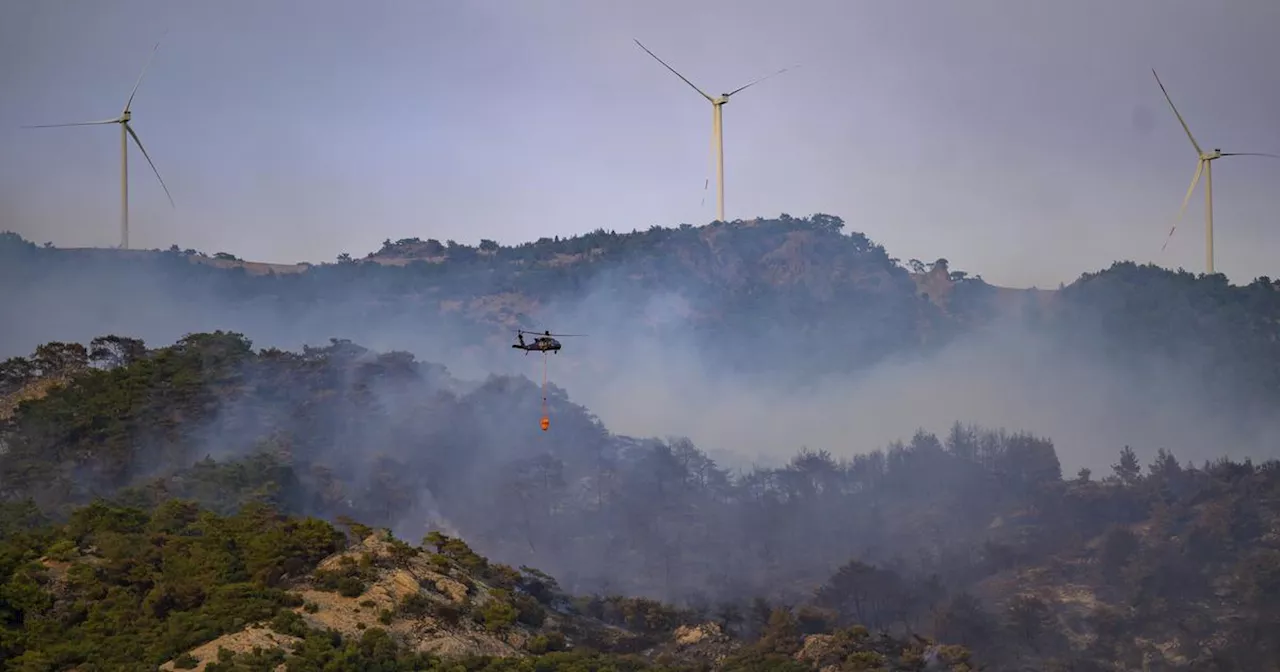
(406, 251)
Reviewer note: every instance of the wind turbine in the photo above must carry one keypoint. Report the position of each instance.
(717, 123)
(126, 132)
(1204, 164)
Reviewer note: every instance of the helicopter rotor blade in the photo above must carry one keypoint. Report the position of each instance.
(565, 335)
(543, 333)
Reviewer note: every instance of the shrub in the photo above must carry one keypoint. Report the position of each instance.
(540, 644)
(449, 613)
(289, 623)
(63, 551)
(864, 660)
(498, 613)
(350, 587)
(415, 605)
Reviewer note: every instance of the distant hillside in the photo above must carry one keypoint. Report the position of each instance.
(803, 275)
(721, 269)
(790, 298)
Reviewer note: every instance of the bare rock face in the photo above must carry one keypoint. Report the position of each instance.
(704, 642)
(821, 651)
(856, 649)
(444, 623)
(252, 637)
(381, 600)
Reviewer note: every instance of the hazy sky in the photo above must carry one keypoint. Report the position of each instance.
(1026, 141)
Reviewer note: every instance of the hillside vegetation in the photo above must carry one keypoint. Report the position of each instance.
(974, 538)
(118, 588)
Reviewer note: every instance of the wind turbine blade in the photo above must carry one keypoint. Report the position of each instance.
(760, 79)
(673, 70)
(78, 123)
(1179, 116)
(141, 75)
(1185, 199)
(138, 142)
(1274, 156)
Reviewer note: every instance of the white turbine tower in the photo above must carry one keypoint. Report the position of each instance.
(1203, 165)
(717, 123)
(126, 131)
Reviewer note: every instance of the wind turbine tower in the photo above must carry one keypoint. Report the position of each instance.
(126, 132)
(717, 123)
(1204, 164)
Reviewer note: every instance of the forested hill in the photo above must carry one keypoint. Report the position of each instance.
(813, 297)
(177, 588)
(974, 537)
(726, 288)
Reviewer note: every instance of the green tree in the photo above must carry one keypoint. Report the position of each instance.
(1127, 470)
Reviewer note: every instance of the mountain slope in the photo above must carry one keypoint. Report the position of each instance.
(974, 538)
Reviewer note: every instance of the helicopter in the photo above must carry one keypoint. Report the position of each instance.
(544, 342)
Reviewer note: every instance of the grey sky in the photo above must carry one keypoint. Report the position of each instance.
(1026, 141)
